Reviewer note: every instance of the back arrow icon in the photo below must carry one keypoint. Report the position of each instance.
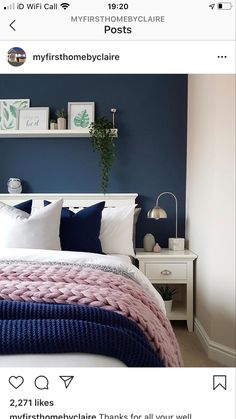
(12, 24)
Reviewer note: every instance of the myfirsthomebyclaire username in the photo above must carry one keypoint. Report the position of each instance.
(76, 57)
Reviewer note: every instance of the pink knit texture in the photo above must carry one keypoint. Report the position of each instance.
(75, 284)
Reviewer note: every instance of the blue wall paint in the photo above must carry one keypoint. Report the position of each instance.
(150, 150)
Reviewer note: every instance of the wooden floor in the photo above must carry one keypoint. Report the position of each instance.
(192, 351)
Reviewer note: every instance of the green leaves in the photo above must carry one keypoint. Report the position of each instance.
(102, 139)
(6, 114)
(167, 292)
(13, 110)
(7, 123)
(60, 113)
(22, 104)
(82, 119)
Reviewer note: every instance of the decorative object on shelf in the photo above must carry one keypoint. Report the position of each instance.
(80, 115)
(8, 112)
(167, 294)
(175, 243)
(113, 111)
(148, 242)
(157, 248)
(61, 119)
(14, 185)
(33, 119)
(53, 124)
(102, 138)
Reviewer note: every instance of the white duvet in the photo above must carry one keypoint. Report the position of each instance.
(73, 360)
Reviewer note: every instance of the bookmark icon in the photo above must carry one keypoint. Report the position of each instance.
(66, 379)
(219, 381)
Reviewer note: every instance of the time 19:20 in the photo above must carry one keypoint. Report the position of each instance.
(118, 6)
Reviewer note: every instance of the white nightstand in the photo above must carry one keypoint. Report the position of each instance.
(173, 268)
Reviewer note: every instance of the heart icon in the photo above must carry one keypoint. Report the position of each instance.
(16, 382)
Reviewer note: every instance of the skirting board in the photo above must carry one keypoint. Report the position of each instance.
(225, 355)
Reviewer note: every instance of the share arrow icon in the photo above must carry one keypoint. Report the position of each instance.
(66, 379)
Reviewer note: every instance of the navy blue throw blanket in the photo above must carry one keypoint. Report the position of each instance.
(36, 328)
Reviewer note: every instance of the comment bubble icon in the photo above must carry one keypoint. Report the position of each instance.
(41, 382)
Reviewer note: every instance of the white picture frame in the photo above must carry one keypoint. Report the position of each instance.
(8, 112)
(80, 115)
(33, 119)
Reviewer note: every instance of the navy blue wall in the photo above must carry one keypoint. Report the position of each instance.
(150, 150)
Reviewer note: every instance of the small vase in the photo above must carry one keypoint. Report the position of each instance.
(53, 125)
(14, 185)
(157, 248)
(168, 306)
(148, 242)
(61, 123)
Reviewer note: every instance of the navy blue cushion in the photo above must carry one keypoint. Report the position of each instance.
(25, 206)
(80, 232)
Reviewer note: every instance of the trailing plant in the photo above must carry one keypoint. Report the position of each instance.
(102, 138)
(60, 113)
(167, 292)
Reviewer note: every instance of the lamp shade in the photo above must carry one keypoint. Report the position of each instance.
(156, 213)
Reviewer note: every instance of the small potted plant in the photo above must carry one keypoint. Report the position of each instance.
(167, 294)
(102, 137)
(53, 124)
(61, 119)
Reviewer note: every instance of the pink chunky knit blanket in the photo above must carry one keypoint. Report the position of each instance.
(94, 286)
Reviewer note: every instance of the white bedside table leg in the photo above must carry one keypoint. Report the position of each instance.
(190, 297)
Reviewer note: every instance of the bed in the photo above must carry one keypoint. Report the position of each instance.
(79, 308)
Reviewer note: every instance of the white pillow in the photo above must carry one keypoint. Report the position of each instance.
(116, 234)
(38, 231)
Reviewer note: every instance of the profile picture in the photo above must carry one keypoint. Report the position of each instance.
(16, 56)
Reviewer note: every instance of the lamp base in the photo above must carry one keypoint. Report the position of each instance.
(176, 243)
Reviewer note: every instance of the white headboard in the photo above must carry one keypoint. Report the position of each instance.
(71, 199)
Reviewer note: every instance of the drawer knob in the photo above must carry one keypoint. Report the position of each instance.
(166, 272)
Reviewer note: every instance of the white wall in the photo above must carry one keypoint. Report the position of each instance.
(211, 201)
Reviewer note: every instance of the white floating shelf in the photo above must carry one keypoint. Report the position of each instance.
(63, 133)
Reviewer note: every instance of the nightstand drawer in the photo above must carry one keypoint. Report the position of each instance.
(166, 270)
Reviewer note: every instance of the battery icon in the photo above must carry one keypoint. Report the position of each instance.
(226, 5)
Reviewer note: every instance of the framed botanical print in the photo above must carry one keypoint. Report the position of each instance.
(80, 115)
(33, 119)
(8, 112)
